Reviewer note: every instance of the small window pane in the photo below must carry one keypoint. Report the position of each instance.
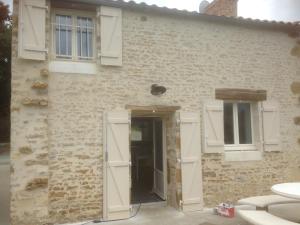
(244, 118)
(63, 36)
(228, 123)
(84, 37)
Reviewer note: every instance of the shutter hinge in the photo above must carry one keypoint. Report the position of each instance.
(178, 122)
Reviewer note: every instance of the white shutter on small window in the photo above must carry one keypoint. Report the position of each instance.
(213, 127)
(256, 110)
(271, 126)
(111, 36)
(32, 32)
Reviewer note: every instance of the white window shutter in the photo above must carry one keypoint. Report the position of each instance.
(191, 169)
(271, 126)
(32, 29)
(111, 36)
(257, 134)
(213, 127)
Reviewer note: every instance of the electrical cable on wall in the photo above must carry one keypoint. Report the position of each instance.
(103, 221)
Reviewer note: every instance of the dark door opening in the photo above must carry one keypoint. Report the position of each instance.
(147, 160)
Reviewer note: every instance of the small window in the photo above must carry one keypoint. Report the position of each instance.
(84, 37)
(238, 124)
(73, 37)
(63, 36)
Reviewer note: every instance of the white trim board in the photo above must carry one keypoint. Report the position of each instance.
(243, 156)
(73, 67)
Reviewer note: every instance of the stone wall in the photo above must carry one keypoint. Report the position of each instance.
(173, 167)
(29, 137)
(222, 8)
(57, 147)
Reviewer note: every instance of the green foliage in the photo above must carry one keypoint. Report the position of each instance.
(5, 54)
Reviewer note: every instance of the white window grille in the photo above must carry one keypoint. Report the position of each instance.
(84, 37)
(63, 36)
(73, 37)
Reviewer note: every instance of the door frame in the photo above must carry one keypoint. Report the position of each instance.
(104, 154)
(164, 132)
(164, 154)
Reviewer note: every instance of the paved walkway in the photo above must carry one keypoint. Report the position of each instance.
(4, 158)
(4, 187)
(153, 215)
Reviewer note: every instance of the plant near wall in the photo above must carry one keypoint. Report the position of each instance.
(5, 70)
(5, 42)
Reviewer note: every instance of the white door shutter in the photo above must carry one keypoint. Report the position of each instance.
(117, 166)
(213, 127)
(191, 170)
(111, 36)
(32, 32)
(271, 126)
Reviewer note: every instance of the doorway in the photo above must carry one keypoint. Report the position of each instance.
(147, 148)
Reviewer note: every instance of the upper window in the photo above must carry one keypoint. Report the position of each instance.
(74, 37)
(63, 36)
(84, 37)
(237, 124)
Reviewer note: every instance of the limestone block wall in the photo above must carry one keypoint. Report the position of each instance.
(29, 137)
(191, 58)
(57, 121)
(173, 167)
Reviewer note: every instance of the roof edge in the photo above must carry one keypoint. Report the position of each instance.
(131, 5)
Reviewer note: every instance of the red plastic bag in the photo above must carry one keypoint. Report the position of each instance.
(225, 209)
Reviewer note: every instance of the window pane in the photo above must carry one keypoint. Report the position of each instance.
(244, 118)
(84, 37)
(228, 123)
(63, 34)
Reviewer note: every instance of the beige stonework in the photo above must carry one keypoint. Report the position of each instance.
(56, 150)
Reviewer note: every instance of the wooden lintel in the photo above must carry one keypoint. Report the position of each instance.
(241, 94)
(151, 108)
(73, 5)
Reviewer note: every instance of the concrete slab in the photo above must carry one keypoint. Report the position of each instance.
(153, 215)
(4, 153)
(4, 194)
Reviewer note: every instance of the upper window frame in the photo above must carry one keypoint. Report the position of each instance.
(237, 146)
(74, 15)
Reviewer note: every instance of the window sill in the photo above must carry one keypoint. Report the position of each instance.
(73, 67)
(239, 156)
(244, 147)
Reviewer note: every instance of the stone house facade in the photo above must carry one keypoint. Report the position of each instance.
(81, 70)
